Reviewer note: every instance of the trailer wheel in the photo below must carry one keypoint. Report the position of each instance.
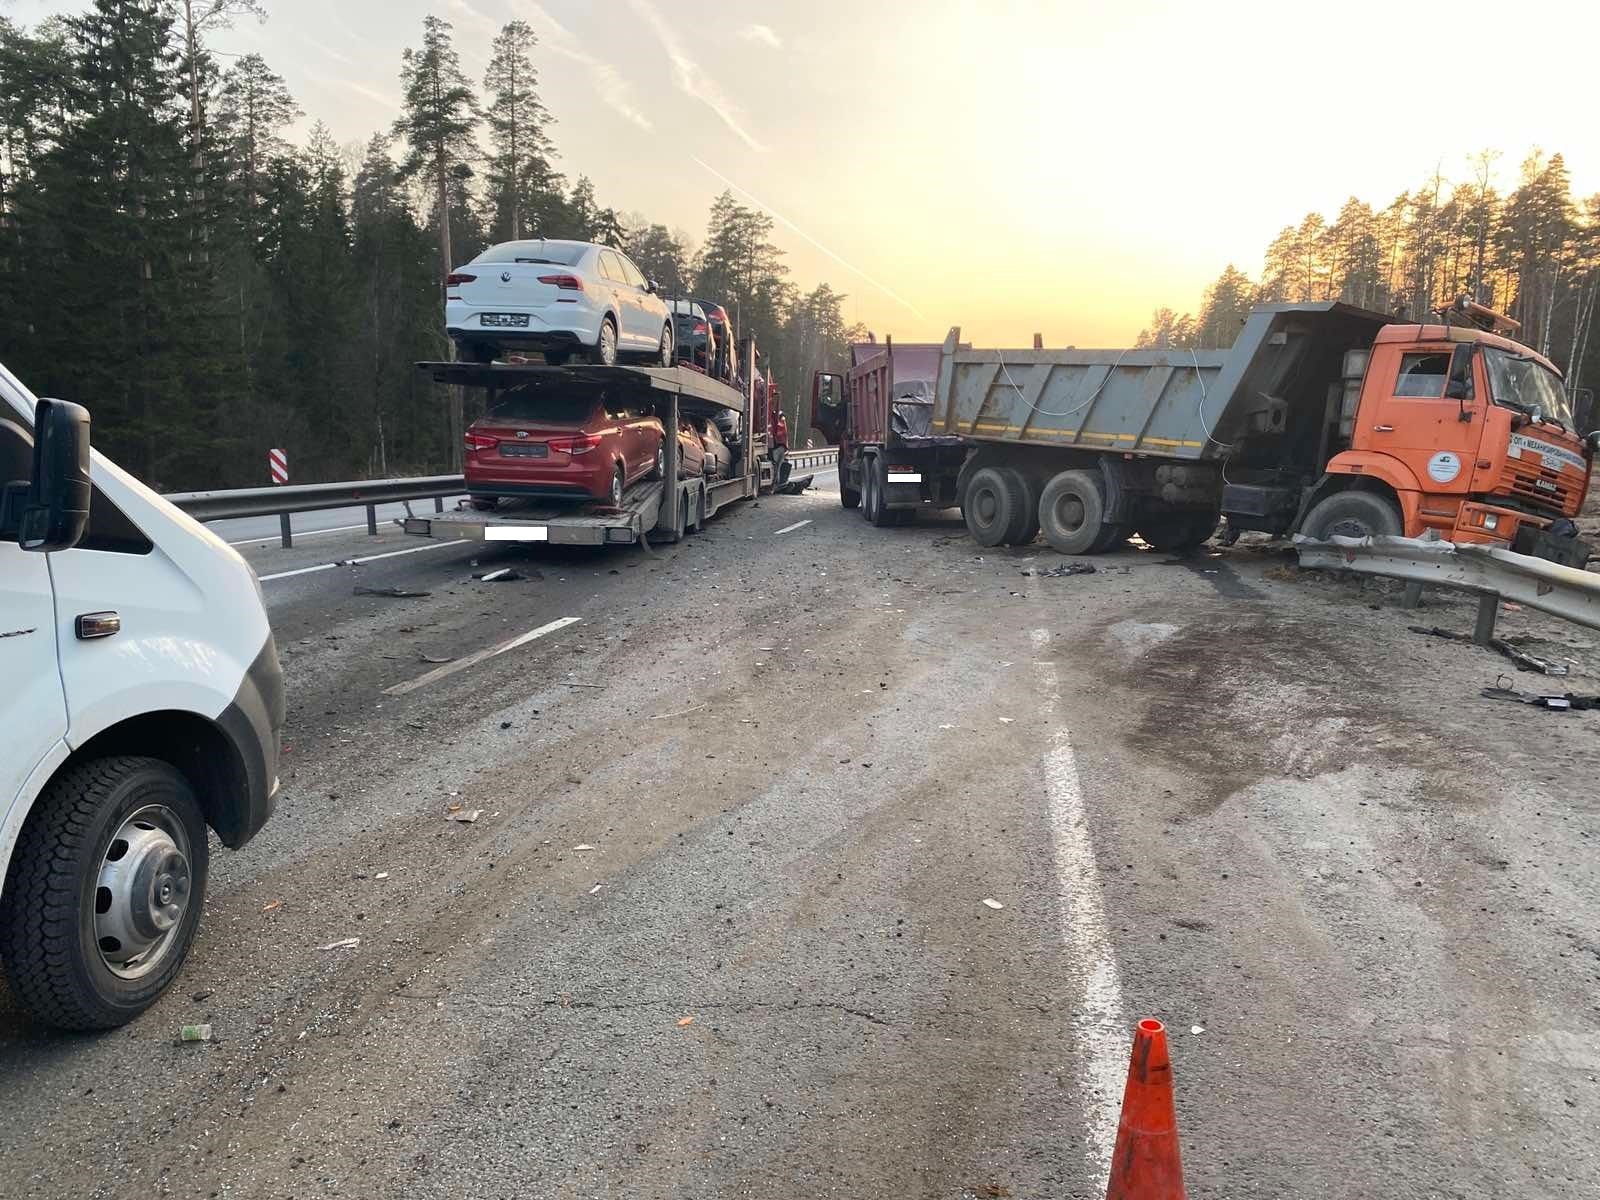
(1352, 514)
(104, 893)
(1187, 531)
(992, 505)
(1072, 512)
(849, 497)
(1025, 526)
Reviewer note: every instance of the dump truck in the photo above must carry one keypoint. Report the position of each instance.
(892, 461)
(1322, 419)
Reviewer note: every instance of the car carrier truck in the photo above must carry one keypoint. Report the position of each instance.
(892, 461)
(664, 509)
(1322, 419)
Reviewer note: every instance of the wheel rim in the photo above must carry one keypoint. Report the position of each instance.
(666, 347)
(608, 343)
(142, 892)
(616, 489)
(987, 507)
(661, 460)
(1352, 527)
(1069, 513)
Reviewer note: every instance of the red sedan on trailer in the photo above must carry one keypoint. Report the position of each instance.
(558, 447)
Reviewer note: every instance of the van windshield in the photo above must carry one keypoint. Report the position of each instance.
(1521, 382)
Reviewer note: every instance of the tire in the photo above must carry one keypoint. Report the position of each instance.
(666, 346)
(1111, 536)
(659, 469)
(991, 506)
(849, 497)
(1182, 533)
(874, 508)
(619, 483)
(699, 521)
(1072, 512)
(604, 351)
(1028, 529)
(478, 352)
(484, 503)
(1352, 514)
(67, 899)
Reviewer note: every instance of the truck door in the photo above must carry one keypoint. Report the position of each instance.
(1425, 413)
(828, 404)
(33, 708)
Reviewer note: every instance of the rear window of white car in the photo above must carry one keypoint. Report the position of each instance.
(557, 254)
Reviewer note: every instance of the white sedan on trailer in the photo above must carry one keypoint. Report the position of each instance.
(559, 298)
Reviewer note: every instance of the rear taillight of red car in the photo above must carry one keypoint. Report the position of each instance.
(579, 444)
(567, 283)
(475, 442)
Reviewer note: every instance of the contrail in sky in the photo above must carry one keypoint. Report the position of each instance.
(795, 229)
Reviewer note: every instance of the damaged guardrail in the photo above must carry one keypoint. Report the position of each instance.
(1493, 573)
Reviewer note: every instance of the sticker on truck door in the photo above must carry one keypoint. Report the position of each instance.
(1444, 466)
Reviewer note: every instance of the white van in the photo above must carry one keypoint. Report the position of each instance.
(140, 703)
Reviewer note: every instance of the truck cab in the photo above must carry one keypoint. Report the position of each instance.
(142, 711)
(1472, 433)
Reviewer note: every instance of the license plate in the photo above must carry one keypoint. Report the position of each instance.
(524, 450)
(504, 320)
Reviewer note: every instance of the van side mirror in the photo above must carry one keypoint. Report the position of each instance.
(55, 511)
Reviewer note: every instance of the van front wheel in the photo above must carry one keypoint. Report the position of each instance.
(104, 892)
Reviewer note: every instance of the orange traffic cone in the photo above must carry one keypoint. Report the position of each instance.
(1145, 1164)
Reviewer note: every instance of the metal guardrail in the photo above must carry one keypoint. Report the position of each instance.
(283, 500)
(812, 458)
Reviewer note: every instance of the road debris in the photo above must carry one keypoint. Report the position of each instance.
(195, 1033)
(349, 943)
(990, 1191)
(1061, 572)
(503, 575)
(583, 846)
(1197, 1029)
(991, 902)
(381, 875)
(434, 659)
(1008, 720)
(594, 889)
(272, 906)
(464, 815)
(199, 996)
(1524, 660)
(391, 593)
(1563, 703)
(682, 1021)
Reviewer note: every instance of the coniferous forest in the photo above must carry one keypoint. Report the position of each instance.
(209, 289)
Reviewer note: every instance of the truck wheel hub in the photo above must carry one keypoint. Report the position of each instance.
(142, 891)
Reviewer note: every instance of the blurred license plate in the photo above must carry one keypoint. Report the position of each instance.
(524, 450)
(504, 320)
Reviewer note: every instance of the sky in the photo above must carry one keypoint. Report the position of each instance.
(1009, 166)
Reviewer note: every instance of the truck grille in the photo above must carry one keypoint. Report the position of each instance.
(1542, 488)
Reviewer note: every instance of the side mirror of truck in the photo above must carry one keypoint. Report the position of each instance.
(55, 510)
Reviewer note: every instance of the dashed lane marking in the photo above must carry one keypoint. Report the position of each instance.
(356, 562)
(792, 528)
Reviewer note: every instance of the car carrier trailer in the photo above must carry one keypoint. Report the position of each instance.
(651, 510)
(1322, 419)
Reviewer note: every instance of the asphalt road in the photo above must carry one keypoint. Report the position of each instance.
(720, 926)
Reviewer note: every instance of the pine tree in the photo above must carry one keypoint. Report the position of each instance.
(1227, 304)
(520, 180)
(437, 124)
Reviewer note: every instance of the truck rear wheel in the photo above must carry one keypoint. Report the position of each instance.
(1072, 513)
(1026, 527)
(849, 497)
(104, 893)
(875, 505)
(994, 506)
(1352, 514)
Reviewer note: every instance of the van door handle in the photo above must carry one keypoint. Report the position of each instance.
(1383, 429)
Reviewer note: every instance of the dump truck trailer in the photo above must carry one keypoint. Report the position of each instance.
(1322, 419)
(892, 461)
(661, 510)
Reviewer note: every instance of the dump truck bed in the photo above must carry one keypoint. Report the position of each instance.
(1183, 404)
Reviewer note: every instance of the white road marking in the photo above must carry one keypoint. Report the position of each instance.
(792, 528)
(472, 660)
(272, 537)
(1101, 1023)
(356, 562)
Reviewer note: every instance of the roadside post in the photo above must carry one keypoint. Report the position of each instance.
(278, 471)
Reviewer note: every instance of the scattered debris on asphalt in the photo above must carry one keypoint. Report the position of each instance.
(1524, 660)
(272, 906)
(1008, 720)
(1197, 1029)
(991, 902)
(583, 846)
(465, 815)
(991, 1191)
(682, 1021)
(594, 889)
(1563, 703)
(1061, 572)
(381, 875)
(349, 943)
(435, 659)
(392, 593)
(200, 996)
(503, 575)
(195, 1033)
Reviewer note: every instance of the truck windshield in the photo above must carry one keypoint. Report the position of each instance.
(1523, 383)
